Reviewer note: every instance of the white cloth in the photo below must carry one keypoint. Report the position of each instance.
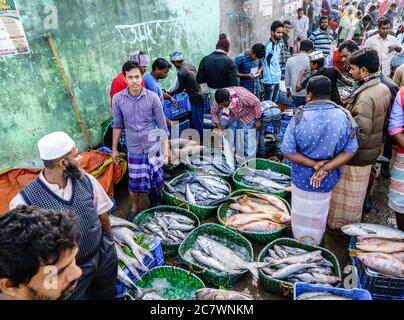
(300, 27)
(54, 145)
(377, 43)
(102, 202)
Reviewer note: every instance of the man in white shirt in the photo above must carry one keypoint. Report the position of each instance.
(62, 185)
(386, 45)
(300, 25)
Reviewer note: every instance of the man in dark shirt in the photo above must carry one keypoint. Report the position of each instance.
(317, 68)
(217, 70)
(187, 81)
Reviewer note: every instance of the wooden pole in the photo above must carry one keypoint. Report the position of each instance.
(69, 89)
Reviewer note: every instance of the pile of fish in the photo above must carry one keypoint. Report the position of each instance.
(318, 295)
(380, 248)
(181, 149)
(219, 294)
(200, 189)
(216, 256)
(294, 264)
(169, 227)
(265, 179)
(124, 236)
(258, 213)
(215, 163)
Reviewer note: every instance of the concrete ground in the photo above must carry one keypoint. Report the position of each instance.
(380, 214)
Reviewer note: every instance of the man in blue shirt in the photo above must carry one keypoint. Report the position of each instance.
(249, 67)
(320, 138)
(322, 37)
(272, 69)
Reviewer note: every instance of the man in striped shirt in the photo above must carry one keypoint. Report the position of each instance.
(322, 37)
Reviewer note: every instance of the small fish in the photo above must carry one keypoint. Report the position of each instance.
(318, 295)
(303, 258)
(280, 252)
(219, 294)
(291, 270)
(317, 278)
(156, 230)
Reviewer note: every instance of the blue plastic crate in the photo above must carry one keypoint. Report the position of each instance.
(270, 128)
(207, 121)
(104, 149)
(183, 106)
(380, 287)
(283, 99)
(179, 127)
(355, 294)
(206, 104)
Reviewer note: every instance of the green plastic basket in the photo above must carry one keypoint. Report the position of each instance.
(217, 279)
(183, 284)
(202, 212)
(281, 287)
(262, 164)
(174, 168)
(260, 237)
(145, 216)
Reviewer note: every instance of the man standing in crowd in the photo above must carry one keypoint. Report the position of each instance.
(160, 69)
(300, 24)
(399, 76)
(62, 185)
(374, 16)
(310, 15)
(33, 243)
(368, 106)
(320, 135)
(391, 13)
(386, 45)
(119, 83)
(317, 68)
(286, 50)
(243, 111)
(322, 37)
(187, 81)
(295, 65)
(217, 70)
(145, 131)
(272, 69)
(346, 24)
(249, 68)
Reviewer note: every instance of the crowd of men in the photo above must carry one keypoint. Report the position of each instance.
(342, 66)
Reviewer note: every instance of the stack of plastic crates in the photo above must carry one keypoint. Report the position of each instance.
(173, 112)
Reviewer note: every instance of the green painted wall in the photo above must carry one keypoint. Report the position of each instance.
(93, 39)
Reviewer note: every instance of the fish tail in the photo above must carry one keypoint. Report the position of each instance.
(355, 252)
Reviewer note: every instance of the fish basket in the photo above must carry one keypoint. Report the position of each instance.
(182, 283)
(260, 237)
(281, 287)
(202, 212)
(145, 216)
(217, 279)
(381, 287)
(262, 164)
(354, 294)
(191, 167)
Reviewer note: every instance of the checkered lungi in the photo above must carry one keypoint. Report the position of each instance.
(347, 198)
(145, 174)
(309, 214)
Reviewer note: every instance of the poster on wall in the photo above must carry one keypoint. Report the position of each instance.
(266, 7)
(290, 7)
(12, 36)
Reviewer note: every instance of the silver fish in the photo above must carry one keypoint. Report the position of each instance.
(129, 262)
(318, 295)
(207, 261)
(189, 196)
(303, 258)
(174, 225)
(280, 252)
(229, 153)
(291, 269)
(219, 294)
(156, 230)
(373, 230)
(317, 278)
(179, 217)
(261, 182)
(124, 278)
(293, 251)
(162, 223)
(118, 222)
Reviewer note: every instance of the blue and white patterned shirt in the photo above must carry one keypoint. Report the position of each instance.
(322, 133)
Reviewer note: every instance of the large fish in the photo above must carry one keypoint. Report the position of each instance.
(208, 261)
(229, 153)
(381, 262)
(302, 258)
(260, 226)
(219, 294)
(379, 245)
(261, 182)
(131, 263)
(242, 219)
(119, 222)
(318, 295)
(291, 270)
(373, 230)
(227, 256)
(317, 278)
(126, 236)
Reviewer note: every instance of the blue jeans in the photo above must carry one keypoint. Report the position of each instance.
(271, 92)
(270, 113)
(197, 118)
(248, 139)
(297, 102)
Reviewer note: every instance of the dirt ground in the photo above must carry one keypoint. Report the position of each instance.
(380, 214)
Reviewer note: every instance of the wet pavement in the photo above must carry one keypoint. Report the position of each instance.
(380, 214)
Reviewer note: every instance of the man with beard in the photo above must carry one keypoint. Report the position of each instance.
(38, 254)
(322, 37)
(62, 185)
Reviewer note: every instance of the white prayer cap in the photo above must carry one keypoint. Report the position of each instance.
(316, 55)
(55, 145)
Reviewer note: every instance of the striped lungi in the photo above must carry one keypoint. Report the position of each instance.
(145, 173)
(348, 196)
(396, 193)
(309, 214)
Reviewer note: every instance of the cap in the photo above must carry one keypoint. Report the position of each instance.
(177, 56)
(316, 55)
(54, 145)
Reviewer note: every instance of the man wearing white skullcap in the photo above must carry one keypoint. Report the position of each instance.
(63, 185)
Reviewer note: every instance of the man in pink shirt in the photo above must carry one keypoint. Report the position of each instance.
(241, 110)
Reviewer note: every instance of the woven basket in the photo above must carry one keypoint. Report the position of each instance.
(145, 216)
(262, 164)
(202, 212)
(183, 284)
(217, 279)
(260, 237)
(281, 287)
